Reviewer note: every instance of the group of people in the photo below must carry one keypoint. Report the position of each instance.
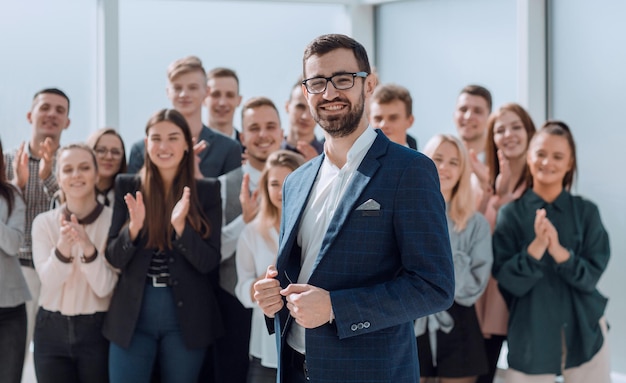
(260, 255)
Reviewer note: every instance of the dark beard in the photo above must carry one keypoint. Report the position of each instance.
(345, 125)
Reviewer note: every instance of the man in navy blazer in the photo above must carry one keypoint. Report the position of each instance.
(364, 247)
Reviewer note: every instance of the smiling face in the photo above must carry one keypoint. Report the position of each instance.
(301, 122)
(222, 100)
(109, 154)
(49, 116)
(166, 146)
(509, 135)
(275, 179)
(448, 162)
(338, 112)
(470, 117)
(549, 159)
(261, 134)
(77, 173)
(392, 119)
(187, 91)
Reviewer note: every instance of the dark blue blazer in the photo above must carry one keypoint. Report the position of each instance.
(383, 267)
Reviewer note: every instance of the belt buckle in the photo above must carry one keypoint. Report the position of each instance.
(157, 284)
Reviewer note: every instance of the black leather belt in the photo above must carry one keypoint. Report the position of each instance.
(295, 360)
(158, 281)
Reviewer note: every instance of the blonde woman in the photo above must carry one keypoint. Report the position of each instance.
(450, 343)
(76, 281)
(256, 250)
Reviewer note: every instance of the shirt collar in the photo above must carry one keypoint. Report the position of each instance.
(359, 148)
(536, 202)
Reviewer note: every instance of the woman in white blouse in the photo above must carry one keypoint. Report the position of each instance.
(76, 281)
(256, 250)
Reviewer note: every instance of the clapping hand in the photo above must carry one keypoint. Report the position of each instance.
(20, 167)
(249, 202)
(46, 155)
(136, 212)
(179, 213)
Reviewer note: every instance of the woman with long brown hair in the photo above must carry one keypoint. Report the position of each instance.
(165, 239)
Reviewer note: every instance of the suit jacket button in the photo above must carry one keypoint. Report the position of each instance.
(175, 282)
(353, 327)
(171, 259)
(179, 304)
(360, 326)
(366, 324)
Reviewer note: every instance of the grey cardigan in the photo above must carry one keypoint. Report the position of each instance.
(13, 287)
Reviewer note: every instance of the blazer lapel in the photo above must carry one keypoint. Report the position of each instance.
(298, 195)
(347, 204)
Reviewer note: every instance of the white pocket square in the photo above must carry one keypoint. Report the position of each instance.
(370, 204)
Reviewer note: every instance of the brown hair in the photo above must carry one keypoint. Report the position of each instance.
(185, 65)
(328, 43)
(481, 91)
(559, 128)
(223, 72)
(385, 94)
(7, 190)
(491, 151)
(160, 202)
(92, 142)
(257, 102)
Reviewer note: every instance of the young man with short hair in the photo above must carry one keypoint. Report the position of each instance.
(222, 100)
(301, 133)
(31, 169)
(187, 89)
(471, 113)
(262, 135)
(364, 247)
(391, 110)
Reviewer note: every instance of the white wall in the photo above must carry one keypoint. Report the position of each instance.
(46, 44)
(588, 62)
(436, 47)
(262, 42)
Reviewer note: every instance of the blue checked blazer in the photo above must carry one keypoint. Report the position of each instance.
(383, 267)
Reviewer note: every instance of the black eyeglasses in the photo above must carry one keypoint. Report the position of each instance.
(102, 152)
(341, 81)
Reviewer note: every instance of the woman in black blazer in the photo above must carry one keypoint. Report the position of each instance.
(165, 239)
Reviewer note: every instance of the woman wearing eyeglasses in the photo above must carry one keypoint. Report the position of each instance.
(111, 157)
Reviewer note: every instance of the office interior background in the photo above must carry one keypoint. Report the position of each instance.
(561, 59)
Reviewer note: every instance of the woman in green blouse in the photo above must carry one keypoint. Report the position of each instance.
(550, 249)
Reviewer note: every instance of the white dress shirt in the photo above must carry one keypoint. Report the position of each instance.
(328, 189)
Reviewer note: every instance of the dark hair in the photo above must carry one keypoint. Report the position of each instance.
(491, 151)
(157, 200)
(559, 128)
(328, 43)
(7, 190)
(385, 94)
(477, 90)
(94, 137)
(56, 91)
(257, 102)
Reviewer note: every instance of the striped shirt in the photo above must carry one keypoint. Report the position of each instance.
(37, 194)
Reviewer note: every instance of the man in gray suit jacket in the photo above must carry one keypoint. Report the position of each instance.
(364, 247)
(187, 89)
